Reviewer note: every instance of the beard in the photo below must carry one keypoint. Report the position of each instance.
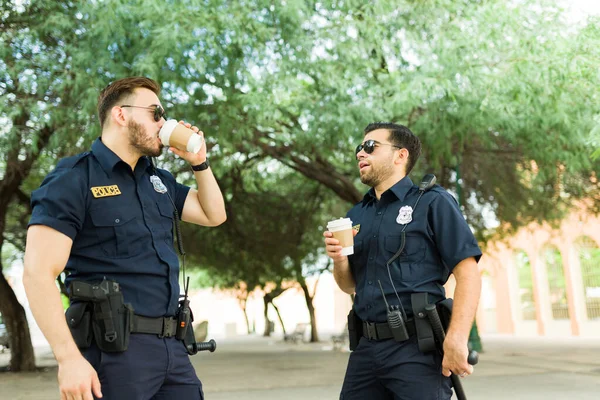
(377, 174)
(139, 140)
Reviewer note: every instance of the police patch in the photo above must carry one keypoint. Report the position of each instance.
(105, 191)
(159, 186)
(404, 215)
(357, 228)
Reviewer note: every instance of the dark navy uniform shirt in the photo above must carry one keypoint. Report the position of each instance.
(437, 239)
(121, 225)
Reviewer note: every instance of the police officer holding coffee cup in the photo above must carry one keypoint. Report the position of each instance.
(106, 217)
(408, 239)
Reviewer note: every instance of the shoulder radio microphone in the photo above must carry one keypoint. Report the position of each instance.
(427, 182)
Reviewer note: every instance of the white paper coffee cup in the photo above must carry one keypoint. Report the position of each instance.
(176, 135)
(342, 231)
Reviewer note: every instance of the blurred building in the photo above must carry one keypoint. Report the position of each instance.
(544, 281)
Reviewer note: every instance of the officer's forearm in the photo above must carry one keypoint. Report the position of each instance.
(343, 276)
(466, 299)
(210, 197)
(46, 306)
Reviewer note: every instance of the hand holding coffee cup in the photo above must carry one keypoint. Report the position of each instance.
(180, 136)
(339, 238)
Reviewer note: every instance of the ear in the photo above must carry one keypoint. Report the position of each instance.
(118, 116)
(401, 156)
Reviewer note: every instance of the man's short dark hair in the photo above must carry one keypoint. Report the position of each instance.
(119, 90)
(400, 136)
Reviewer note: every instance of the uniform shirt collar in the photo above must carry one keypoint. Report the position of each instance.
(400, 190)
(108, 159)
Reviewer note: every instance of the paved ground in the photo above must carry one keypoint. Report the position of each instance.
(256, 368)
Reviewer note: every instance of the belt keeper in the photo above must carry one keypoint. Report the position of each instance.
(167, 328)
(372, 331)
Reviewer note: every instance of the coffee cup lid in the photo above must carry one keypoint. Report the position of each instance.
(195, 143)
(336, 223)
(165, 131)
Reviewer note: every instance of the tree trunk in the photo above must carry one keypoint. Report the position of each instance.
(268, 298)
(243, 306)
(314, 335)
(279, 316)
(267, 331)
(21, 350)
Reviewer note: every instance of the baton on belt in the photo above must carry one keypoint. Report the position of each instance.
(440, 335)
(195, 347)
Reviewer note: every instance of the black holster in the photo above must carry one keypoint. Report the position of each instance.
(425, 336)
(189, 340)
(79, 320)
(354, 329)
(110, 318)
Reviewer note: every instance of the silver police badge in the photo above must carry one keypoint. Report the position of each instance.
(159, 186)
(404, 215)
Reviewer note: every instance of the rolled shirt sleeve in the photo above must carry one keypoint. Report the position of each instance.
(453, 236)
(59, 202)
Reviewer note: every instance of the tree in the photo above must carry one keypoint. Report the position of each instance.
(271, 235)
(500, 89)
(35, 76)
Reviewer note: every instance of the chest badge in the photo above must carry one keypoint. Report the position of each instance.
(159, 186)
(105, 191)
(357, 228)
(404, 215)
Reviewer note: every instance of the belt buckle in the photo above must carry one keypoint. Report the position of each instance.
(167, 328)
(372, 331)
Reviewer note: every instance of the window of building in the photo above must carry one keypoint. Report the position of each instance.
(526, 299)
(556, 282)
(589, 261)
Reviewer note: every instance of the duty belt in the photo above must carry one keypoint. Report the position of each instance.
(381, 331)
(161, 326)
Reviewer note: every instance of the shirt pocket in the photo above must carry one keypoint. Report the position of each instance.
(116, 232)
(356, 259)
(165, 209)
(408, 265)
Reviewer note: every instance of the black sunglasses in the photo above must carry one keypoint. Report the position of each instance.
(369, 146)
(159, 112)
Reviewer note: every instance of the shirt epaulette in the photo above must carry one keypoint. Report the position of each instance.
(71, 162)
(440, 191)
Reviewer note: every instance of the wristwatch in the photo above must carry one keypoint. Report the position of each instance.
(201, 167)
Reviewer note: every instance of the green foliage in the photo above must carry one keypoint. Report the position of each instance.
(269, 234)
(505, 91)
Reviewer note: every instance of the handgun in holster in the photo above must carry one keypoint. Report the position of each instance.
(109, 317)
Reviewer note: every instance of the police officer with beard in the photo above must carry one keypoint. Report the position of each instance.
(435, 241)
(107, 216)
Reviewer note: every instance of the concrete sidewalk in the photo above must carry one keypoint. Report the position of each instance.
(256, 368)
